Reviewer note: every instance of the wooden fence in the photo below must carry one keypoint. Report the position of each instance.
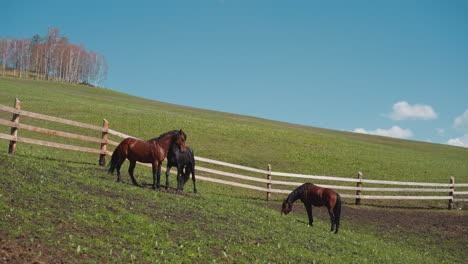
(266, 175)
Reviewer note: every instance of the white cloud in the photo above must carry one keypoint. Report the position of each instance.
(461, 122)
(402, 110)
(394, 131)
(360, 130)
(460, 142)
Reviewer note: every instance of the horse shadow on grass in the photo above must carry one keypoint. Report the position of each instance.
(170, 190)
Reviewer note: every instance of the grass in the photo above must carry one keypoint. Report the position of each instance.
(237, 139)
(77, 213)
(243, 140)
(62, 201)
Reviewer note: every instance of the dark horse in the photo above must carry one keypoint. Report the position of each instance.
(153, 151)
(181, 160)
(311, 194)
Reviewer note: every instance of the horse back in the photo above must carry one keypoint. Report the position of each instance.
(319, 196)
(139, 150)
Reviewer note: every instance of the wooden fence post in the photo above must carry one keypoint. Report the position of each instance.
(102, 157)
(14, 130)
(450, 203)
(359, 185)
(269, 184)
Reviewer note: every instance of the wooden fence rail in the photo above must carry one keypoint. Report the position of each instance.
(15, 125)
(49, 144)
(50, 118)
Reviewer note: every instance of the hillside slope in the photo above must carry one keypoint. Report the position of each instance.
(244, 140)
(56, 212)
(59, 206)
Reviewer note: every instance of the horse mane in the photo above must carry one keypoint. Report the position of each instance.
(294, 195)
(165, 134)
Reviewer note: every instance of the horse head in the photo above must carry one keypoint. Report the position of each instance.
(286, 208)
(180, 139)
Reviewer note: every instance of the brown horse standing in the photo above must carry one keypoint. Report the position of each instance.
(311, 194)
(153, 151)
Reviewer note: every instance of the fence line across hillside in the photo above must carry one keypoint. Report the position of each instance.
(266, 175)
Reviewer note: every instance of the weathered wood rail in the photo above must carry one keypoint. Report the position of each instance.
(266, 175)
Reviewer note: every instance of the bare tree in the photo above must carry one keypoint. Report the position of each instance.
(102, 69)
(21, 53)
(5, 47)
(35, 54)
(51, 42)
(52, 57)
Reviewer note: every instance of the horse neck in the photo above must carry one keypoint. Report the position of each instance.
(173, 147)
(165, 142)
(296, 194)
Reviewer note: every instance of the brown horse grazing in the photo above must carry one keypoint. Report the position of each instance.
(311, 194)
(153, 151)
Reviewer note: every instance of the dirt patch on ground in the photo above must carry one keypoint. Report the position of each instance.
(449, 224)
(17, 250)
(454, 223)
(438, 228)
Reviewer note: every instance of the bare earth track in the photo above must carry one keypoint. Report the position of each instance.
(448, 228)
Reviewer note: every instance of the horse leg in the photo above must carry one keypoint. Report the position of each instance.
(180, 171)
(168, 169)
(309, 213)
(332, 218)
(193, 179)
(117, 167)
(185, 173)
(131, 168)
(119, 178)
(158, 172)
(156, 175)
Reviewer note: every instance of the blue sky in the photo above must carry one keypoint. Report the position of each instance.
(395, 68)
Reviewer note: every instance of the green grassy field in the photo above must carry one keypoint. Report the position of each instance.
(61, 206)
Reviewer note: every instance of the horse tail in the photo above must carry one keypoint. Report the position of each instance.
(337, 212)
(192, 164)
(116, 159)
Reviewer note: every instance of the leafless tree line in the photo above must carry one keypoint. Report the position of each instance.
(52, 57)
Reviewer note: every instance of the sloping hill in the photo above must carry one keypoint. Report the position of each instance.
(244, 140)
(58, 205)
